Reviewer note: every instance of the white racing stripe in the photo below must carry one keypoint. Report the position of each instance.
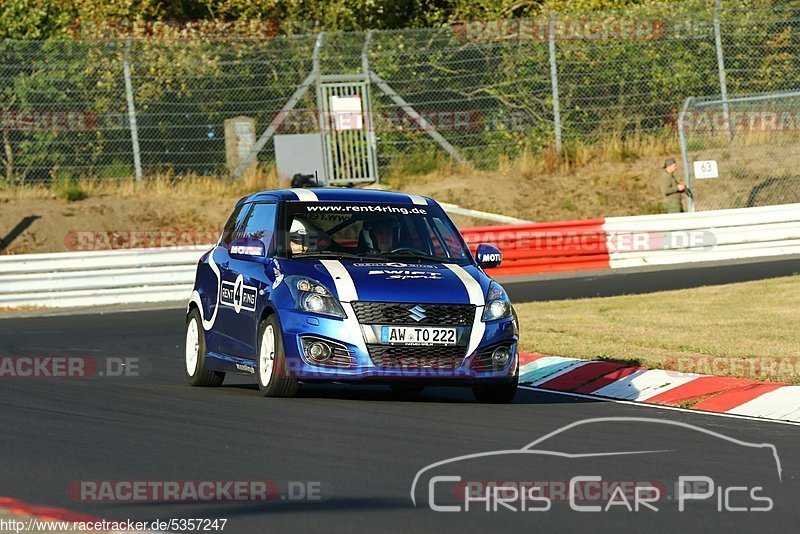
(476, 298)
(209, 324)
(345, 287)
(418, 200)
(353, 328)
(304, 195)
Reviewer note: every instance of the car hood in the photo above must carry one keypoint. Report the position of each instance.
(424, 282)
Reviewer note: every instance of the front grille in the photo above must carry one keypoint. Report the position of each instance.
(416, 357)
(393, 313)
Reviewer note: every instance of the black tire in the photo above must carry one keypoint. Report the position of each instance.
(498, 393)
(195, 369)
(279, 383)
(407, 389)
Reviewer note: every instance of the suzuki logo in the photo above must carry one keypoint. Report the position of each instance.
(417, 313)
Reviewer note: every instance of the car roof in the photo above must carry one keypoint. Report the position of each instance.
(334, 194)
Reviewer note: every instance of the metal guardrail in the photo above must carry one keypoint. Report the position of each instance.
(85, 279)
(639, 241)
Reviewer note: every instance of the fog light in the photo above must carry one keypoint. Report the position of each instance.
(318, 351)
(500, 356)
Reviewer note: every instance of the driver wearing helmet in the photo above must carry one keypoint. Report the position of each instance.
(303, 236)
(380, 235)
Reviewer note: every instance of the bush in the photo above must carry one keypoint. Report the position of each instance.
(70, 191)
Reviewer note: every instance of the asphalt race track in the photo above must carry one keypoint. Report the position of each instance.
(362, 444)
(359, 448)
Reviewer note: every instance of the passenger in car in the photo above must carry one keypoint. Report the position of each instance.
(379, 235)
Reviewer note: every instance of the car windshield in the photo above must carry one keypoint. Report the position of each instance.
(393, 232)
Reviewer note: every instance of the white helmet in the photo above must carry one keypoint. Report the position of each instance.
(303, 233)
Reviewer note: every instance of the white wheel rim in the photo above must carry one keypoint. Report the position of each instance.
(266, 355)
(192, 346)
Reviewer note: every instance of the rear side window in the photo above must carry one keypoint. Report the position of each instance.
(235, 225)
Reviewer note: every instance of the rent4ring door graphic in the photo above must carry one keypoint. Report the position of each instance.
(238, 298)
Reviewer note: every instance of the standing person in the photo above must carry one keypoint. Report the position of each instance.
(671, 188)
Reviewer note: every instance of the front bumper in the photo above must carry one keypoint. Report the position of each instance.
(296, 325)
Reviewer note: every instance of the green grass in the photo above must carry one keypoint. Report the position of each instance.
(747, 330)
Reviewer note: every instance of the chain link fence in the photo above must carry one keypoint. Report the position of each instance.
(490, 89)
(743, 152)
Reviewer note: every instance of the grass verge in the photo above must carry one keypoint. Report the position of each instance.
(747, 330)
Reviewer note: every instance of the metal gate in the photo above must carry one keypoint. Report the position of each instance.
(348, 137)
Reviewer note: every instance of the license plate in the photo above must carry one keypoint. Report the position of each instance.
(424, 335)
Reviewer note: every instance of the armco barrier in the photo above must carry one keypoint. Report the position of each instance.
(704, 236)
(108, 277)
(77, 279)
(619, 242)
(545, 247)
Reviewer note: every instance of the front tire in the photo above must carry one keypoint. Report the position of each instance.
(498, 393)
(273, 377)
(195, 354)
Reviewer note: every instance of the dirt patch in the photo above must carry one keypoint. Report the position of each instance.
(91, 223)
(596, 189)
(115, 215)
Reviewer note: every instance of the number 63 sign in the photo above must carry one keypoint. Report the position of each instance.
(706, 169)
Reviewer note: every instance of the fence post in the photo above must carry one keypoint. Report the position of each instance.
(723, 87)
(137, 160)
(368, 123)
(687, 171)
(554, 80)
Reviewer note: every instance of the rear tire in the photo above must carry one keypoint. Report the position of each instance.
(497, 394)
(194, 367)
(273, 377)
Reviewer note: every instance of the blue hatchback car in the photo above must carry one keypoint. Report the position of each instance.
(349, 285)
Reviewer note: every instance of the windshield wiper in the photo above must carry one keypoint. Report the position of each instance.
(415, 255)
(332, 253)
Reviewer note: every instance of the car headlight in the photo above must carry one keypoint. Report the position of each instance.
(312, 296)
(497, 304)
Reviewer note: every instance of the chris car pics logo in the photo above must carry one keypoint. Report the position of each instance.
(591, 478)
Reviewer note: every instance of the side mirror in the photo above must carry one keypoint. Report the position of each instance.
(488, 256)
(247, 248)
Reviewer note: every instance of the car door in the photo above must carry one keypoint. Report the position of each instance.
(244, 282)
(217, 341)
